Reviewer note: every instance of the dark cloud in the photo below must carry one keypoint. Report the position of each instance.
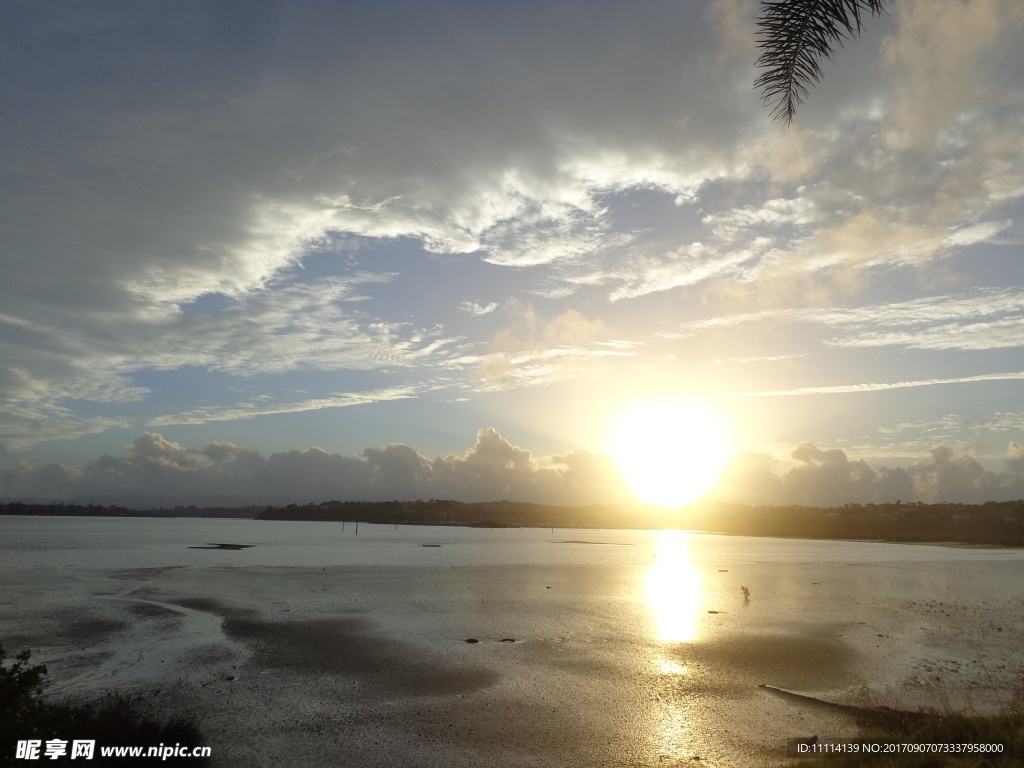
(493, 469)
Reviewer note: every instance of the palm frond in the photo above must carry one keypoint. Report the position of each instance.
(796, 35)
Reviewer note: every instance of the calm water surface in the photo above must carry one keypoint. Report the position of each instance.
(107, 542)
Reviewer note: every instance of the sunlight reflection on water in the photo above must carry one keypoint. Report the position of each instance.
(673, 594)
(673, 588)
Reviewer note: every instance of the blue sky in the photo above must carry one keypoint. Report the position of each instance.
(351, 224)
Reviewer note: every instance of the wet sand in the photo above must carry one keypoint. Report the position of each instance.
(617, 661)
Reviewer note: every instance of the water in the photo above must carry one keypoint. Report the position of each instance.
(111, 542)
(318, 646)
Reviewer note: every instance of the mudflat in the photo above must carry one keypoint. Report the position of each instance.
(647, 653)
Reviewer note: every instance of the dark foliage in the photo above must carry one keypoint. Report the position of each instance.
(60, 508)
(993, 522)
(796, 35)
(111, 722)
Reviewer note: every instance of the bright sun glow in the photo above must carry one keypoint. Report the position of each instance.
(670, 451)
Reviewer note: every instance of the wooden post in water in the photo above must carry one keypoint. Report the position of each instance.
(357, 527)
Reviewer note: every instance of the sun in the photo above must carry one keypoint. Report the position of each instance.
(670, 451)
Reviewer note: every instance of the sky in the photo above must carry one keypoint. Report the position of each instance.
(306, 250)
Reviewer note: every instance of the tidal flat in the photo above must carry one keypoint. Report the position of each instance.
(317, 646)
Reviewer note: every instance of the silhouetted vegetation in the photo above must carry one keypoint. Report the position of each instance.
(100, 510)
(795, 37)
(111, 722)
(994, 522)
(988, 523)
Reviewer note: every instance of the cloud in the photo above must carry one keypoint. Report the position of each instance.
(878, 386)
(253, 409)
(276, 329)
(984, 318)
(146, 182)
(477, 309)
(492, 469)
(169, 170)
(828, 477)
(532, 350)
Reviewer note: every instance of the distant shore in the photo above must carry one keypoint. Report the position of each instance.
(988, 524)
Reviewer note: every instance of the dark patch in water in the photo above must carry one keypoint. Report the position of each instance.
(346, 646)
(226, 546)
(810, 662)
(90, 629)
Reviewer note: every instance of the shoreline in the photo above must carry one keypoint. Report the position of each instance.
(916, 542)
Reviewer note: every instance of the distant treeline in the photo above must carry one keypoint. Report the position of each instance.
(486, 514)
(99, 510)
(989, 523)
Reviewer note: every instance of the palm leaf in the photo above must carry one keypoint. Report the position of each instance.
(796, 35)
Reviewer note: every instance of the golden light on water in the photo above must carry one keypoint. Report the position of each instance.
(674, 599)
(670, 451)
(673, 589)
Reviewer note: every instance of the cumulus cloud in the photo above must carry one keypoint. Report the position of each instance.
(492, 469)
(828, 477)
